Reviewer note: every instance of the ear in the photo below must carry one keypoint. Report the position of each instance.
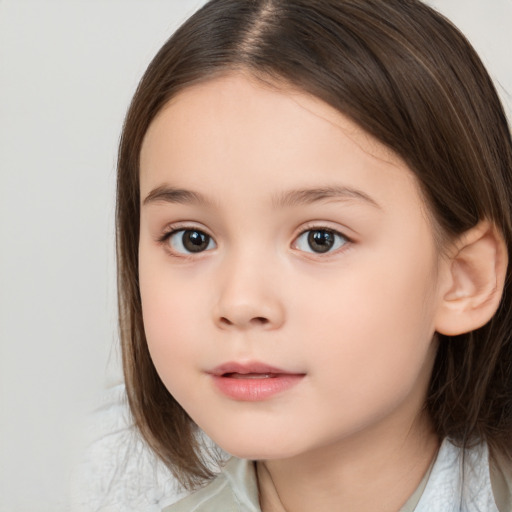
(475, 273)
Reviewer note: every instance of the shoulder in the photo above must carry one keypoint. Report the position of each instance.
(216, 496)
(463, 479)
(233, 490)
(116, 470)
(500, 468)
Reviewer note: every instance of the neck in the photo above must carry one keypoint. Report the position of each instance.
(350, 477)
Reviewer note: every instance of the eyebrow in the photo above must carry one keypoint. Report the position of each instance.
(168, 194)
(313, 195)
(289, 198)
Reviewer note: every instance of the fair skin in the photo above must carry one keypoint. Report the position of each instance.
(230, 272)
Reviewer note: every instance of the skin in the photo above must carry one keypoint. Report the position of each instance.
(358, 322)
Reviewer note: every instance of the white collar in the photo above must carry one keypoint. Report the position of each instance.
(459, 482)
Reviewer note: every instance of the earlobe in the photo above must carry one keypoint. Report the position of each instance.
(475, 279)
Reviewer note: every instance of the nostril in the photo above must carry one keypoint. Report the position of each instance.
(259, 320)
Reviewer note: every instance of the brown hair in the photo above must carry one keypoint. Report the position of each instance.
(407, 76)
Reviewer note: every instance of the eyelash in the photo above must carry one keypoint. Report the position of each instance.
(334, 234)
(166, 237)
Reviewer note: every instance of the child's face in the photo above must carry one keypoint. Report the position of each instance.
(302, 253)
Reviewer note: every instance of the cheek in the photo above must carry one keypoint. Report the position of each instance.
(171, 321)
(171, 334)
(167, 299)
(167, 315)
(373, 335)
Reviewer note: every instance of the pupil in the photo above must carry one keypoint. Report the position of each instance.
(320, 241)
(195, 241)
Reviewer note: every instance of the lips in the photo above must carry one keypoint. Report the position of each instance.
(254, 368)
(250, 375)
(254, 381)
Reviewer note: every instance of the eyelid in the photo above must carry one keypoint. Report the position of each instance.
(170, 229)
(324, 225)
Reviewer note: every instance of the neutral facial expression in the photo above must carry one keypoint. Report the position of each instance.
(288, 270)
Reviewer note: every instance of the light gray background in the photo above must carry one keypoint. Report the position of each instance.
(67, 71)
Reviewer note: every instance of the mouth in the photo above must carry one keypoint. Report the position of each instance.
(235, 375)
(253, 382)
(249, 370)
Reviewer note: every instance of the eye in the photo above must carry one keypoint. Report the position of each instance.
(320, 241)
(186, 241)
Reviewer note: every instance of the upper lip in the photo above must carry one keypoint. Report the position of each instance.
(250, 367)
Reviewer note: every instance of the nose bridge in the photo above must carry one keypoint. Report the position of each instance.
(248, 295)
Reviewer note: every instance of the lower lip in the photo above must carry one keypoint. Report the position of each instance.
(255, 389)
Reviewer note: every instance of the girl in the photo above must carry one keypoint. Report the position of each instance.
(314, 221)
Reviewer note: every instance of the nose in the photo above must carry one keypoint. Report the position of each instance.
(249, 298)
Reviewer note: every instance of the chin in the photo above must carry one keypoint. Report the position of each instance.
(255, 449)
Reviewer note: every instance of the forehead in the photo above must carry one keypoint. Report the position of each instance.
(236, 138)
(206, 99)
